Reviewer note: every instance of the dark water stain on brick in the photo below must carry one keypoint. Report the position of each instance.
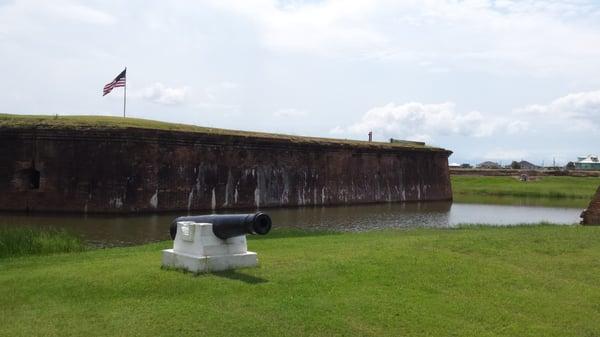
(142, 170)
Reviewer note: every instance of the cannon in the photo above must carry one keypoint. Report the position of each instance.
(206, 243)
(226, 226)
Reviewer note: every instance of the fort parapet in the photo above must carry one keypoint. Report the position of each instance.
(105, 169)
(591, 216)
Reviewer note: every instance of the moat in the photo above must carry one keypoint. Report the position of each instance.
(118, 230)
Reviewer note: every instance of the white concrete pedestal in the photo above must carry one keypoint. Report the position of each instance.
(197, 249)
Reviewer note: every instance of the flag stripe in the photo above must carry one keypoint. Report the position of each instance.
(113, 85)
(119, 81)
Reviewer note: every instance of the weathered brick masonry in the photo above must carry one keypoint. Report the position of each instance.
(591, 216)
(140, 170)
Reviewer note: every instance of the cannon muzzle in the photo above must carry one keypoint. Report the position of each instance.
(226, 226)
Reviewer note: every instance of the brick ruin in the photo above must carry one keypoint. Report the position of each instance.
(591, 216)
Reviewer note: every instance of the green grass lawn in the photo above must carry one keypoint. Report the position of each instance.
(519, 281)
(543, 187)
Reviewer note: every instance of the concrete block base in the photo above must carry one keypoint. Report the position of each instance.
(197, 249)
(201, 264)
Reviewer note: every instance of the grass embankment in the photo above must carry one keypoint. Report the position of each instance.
(109, 122)
(541, 187)
(25, 241)
(519, 281)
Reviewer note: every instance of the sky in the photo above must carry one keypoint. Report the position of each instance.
(490, 80)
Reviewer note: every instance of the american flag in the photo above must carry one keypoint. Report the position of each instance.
(119, 81)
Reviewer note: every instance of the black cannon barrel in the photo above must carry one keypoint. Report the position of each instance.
(226, 226)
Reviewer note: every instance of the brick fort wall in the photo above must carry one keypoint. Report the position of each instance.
(138, 170)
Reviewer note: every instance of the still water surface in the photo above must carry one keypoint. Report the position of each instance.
(113, 230)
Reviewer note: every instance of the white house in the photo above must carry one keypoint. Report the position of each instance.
(590, 162)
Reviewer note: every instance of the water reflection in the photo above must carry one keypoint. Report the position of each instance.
(101, 230)
(522, 201)
(366, 217)
(125, 230)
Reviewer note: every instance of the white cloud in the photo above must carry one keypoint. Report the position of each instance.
(27, 15)
(574, 112)
(324, 27)
(161, 94)
(420, 121)
(289, 112)
(536, 131)
(542, 37)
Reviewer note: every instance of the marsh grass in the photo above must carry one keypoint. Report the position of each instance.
(26, 241)
(542, 187)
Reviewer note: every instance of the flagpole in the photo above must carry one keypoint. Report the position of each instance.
(125, 94)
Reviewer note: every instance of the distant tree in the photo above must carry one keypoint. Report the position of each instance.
(570, 165)
(515, 165)
(466, 166)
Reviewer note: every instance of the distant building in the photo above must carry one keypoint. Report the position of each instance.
(466, 166)
(525, 165)
(587, 163)
(454, 165)
(489, 165)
